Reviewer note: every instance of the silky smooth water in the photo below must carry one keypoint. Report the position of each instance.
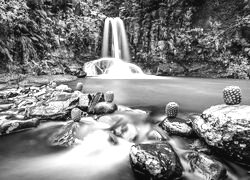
(27, 156)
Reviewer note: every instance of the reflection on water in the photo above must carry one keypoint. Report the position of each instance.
(27, 155)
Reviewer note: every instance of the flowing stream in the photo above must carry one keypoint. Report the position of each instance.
(27, 156)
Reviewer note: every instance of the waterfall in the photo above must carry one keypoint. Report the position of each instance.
(115, 59)
(115, 43)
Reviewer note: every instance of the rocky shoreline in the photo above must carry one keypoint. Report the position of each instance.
(219, 129)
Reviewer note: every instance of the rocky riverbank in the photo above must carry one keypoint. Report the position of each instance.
(154, 153)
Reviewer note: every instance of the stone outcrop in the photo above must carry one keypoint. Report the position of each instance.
(227, 129)
(155, 161)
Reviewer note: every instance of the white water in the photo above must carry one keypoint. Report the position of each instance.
(115, 43)
(115, 53)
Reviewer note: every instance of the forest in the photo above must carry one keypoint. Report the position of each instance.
(194, 38)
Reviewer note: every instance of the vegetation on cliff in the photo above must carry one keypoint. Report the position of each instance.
(208, 38)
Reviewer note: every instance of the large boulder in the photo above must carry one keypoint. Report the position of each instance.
(155, 161)
(227, 128)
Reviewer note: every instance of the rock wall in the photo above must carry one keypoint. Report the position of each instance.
(178, 37)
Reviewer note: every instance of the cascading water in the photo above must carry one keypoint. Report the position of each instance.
(115, 59)
(114, 31)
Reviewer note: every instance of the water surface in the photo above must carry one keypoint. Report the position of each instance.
(26, 155)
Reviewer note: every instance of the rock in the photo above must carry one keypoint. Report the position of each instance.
(84, 100)
(94, 99)
(79, 86)
(81, 74)
(155, 161)
(206, 167)
(65, 136)
(105, 108)
(157, 134)
(9, 93)
(154, 135)
(75, 70)
(127, 132)
(176, 126)
(200, 146)
(9, 126)
(227, 129)
(64, 88)
(54, 110)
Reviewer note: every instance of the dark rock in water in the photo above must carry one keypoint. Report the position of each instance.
(176, 126)
(75, 70)
(155, 161)
(206, 167)
(81, 74)
(9, 126)
(105, 108)
(66, 136)
(227, 128)
(94, 99)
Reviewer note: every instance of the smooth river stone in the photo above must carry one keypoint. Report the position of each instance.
(155, 161)
(105, 108)
(176, 126)
(227, 129)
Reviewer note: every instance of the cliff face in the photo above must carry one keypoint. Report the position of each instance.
(207, 38)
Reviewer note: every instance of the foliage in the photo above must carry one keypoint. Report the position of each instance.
(164, 36)
(41, 32)
(41, 36)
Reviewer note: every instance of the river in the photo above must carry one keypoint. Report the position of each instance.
(26, 155)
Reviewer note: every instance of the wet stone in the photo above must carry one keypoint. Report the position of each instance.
(157, 134)
(127, 132)
(226, 128)
(65, 136)
(105, 108)
(176, 126)
(155, 161)
(95, 99)
(206, 167)
(10, 126)
(54, 110)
